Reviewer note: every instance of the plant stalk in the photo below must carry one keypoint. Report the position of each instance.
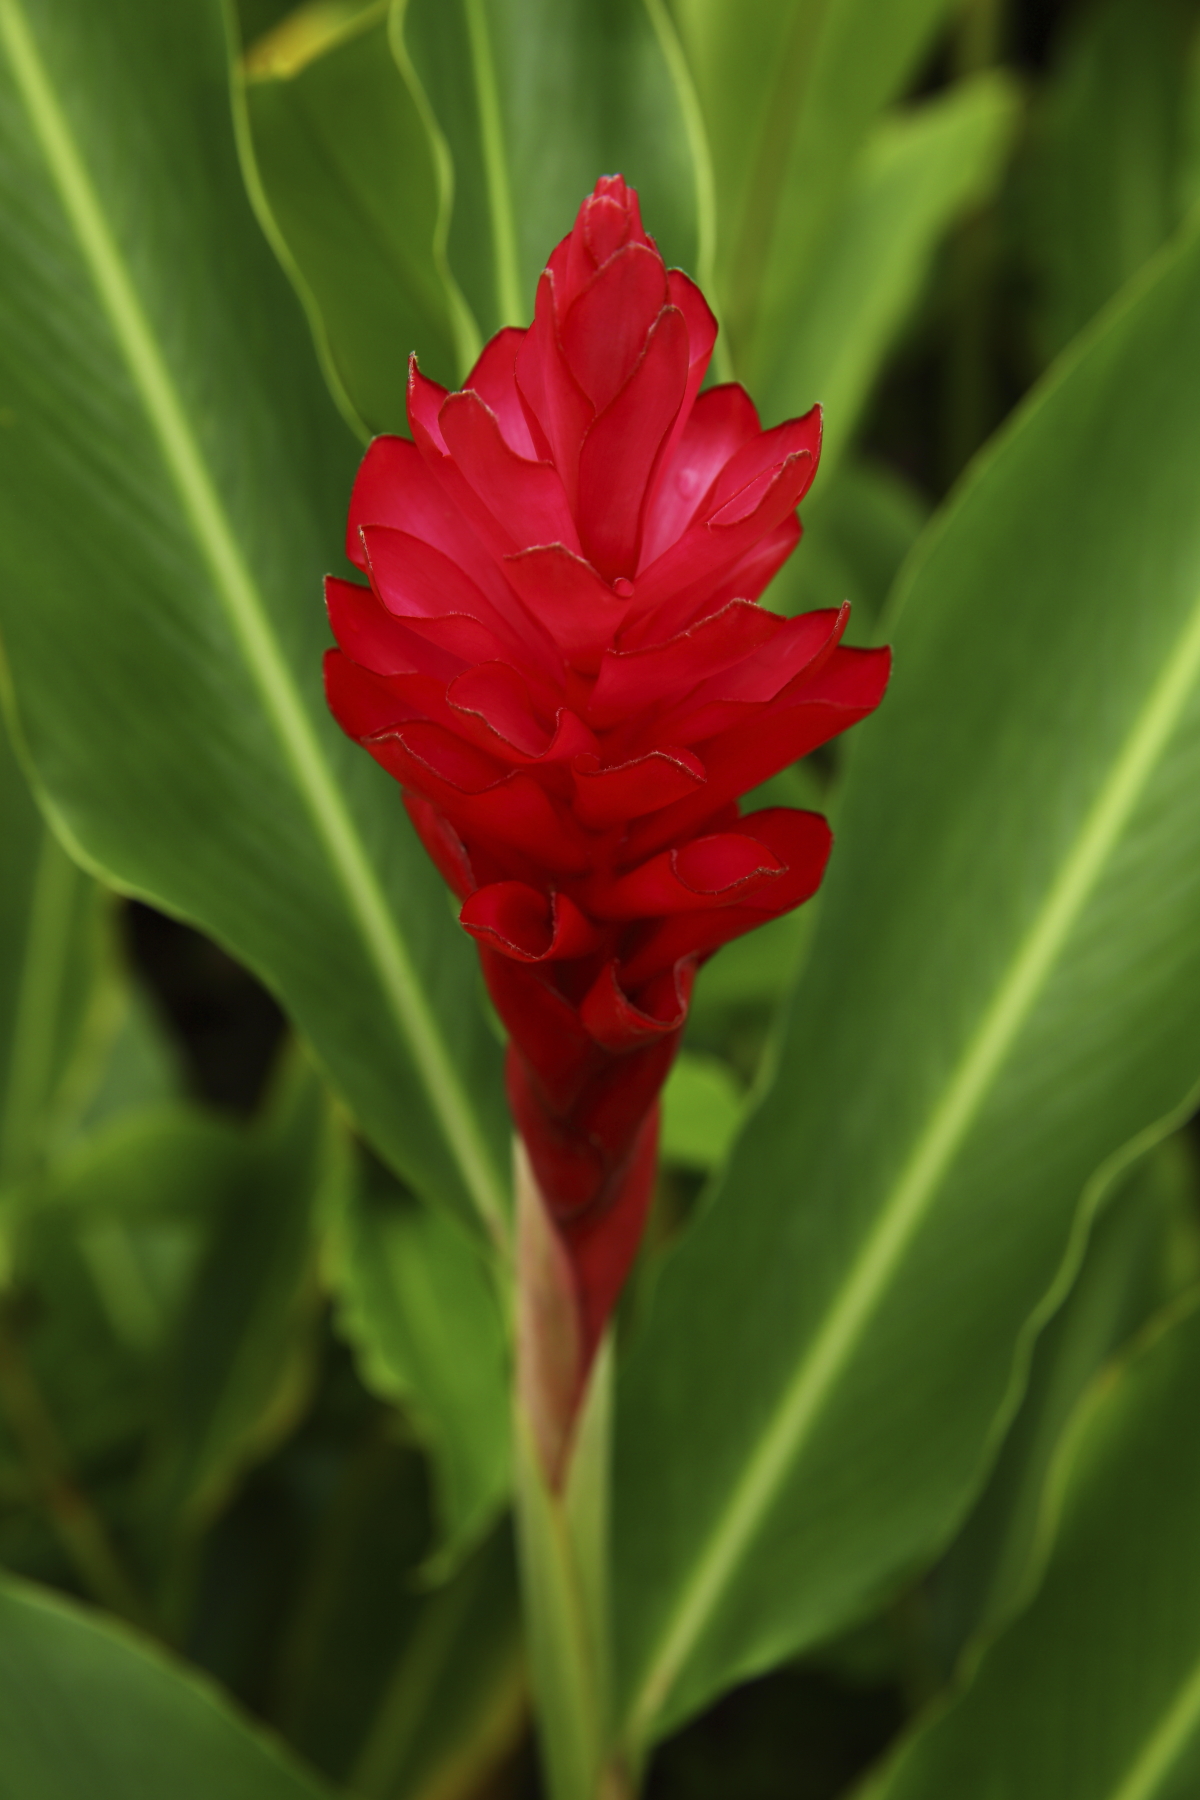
(561, 1453)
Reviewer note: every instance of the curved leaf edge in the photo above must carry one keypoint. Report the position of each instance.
(1050, 1515)
(200, 1686)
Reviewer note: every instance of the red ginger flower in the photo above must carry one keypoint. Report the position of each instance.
(561, 659)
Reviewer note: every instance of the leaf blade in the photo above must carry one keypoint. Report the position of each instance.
(596, 80)
(335, 821)
(1050, 1708)
(1063, 842)
(89, 1711)
(347, 180)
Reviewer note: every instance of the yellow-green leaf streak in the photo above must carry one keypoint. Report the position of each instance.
(495, 165)
(1147, 1774)
(703, 178)
(247, 615)
(915, 1189)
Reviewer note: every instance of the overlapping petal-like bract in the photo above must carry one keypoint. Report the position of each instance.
(561, 658)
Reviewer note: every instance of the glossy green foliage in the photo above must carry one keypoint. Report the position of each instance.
(87, 1709)
(57, 1009)
(235, 1369)
(1144, 1249)
(1111, 167)
(352, 191)
(1094, 1693)
(418, 1304)
(788, 94)
(536, 98)
(858, 529)
(893, 1218)
(157, 1338)
(173, 484)
(920, 170)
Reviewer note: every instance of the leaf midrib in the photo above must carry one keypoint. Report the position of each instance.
(915, 1189)
(247, 616)
(1165, 1744)
(495, 165)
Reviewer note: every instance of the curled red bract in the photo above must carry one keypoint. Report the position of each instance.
(561, 658)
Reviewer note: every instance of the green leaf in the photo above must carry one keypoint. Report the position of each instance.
(1094, 1694)
(702, 1109)
(351, 190)
(104, 1244)
(1103, 184)
(599, 81)
(456, 1702)
(920, 171)
(234, 1372)
(171, 491)
(108, 1240)
(390, 1689)
(1003, 992)
(751, 975)
(1144, 1250)
(788, 93)
(860, 523)
(417, 1303)
(141, 1065)
(89, 1712)
(54, 999)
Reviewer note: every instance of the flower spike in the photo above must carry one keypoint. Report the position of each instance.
(562, 659)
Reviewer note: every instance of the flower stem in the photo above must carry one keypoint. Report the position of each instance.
(562, 1480)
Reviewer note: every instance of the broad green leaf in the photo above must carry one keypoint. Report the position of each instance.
(350, 189)
(89, 1712)
(169, 1157)
(701, 1111)
(537, 99)
(55, 1008)
(1094, 1694)
(141, 1066)
(1002, 993)
(172, 486)
(234, 1370)
(751, 974)
(1103, 184)
(920, 170)
(417, 1303)
(860, 523)
(788, 92)
(1144, 1249)
(257, 17)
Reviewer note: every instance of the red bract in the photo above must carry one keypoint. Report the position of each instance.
(561, 659)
